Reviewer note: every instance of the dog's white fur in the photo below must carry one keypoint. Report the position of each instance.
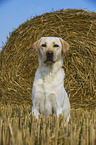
(48, 93)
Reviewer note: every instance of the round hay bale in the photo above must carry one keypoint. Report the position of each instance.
(19, 61)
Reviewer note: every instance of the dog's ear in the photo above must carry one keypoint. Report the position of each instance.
(37, 44)
(65, 45)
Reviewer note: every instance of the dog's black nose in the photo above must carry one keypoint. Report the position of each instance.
(49, 55)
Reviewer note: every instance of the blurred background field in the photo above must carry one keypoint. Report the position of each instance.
(18, 66)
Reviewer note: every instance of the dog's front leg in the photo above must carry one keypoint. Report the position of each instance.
(59, 111)
(35, 112)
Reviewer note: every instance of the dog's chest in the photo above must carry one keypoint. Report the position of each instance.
(49, 84)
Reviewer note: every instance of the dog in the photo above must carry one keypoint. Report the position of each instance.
(48, 93)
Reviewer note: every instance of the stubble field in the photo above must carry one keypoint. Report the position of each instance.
(19, 127)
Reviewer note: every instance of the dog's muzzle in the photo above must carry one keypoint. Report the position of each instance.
(49, 56)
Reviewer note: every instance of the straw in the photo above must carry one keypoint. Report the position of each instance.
(19, 61)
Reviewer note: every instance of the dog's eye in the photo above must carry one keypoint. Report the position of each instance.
(55, 45)
(43, 45)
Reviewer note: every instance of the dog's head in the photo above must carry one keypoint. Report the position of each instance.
(51, 49)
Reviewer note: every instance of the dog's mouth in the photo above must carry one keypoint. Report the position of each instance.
(49, 57)
(49, 61)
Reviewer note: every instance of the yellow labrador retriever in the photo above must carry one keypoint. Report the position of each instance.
(48, 93)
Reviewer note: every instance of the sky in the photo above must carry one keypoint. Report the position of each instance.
(14, 12)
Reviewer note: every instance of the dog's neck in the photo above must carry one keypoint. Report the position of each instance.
(52, 69)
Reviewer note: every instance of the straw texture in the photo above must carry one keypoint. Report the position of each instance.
(19, 61)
